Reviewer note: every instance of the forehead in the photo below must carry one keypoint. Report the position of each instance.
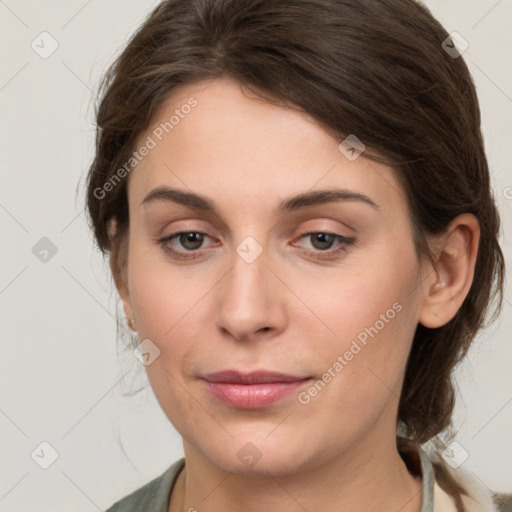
(217, 138)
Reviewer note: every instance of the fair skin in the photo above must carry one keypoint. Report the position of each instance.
(294, 309)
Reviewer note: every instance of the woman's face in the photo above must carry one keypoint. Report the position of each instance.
(281, 280)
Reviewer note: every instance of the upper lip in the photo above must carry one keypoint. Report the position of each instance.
(256, 377)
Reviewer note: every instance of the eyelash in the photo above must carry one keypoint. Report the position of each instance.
(345, 244)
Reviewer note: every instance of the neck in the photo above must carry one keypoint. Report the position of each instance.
(360, 479)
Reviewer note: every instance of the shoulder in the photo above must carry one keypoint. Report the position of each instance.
(479, 498)
(443, 481)
(492, 502)
(503, 502)
(154, 495)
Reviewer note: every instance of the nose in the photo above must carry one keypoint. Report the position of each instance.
(251, 300)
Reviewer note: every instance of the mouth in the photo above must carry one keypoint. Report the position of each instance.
(253, 390)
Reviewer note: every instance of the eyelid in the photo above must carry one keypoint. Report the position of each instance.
(303, 230)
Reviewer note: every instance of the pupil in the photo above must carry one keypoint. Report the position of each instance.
(325, 240)
(195, 239)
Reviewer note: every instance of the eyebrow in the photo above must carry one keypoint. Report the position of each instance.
(294, 203)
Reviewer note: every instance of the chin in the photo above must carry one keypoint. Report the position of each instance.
(260, 454)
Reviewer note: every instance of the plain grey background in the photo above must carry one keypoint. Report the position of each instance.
(61, 377)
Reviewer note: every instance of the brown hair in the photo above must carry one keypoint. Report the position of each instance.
(376, 69)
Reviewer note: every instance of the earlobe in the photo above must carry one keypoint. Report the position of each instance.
(449, 283)
(122, 288)
(118, 266)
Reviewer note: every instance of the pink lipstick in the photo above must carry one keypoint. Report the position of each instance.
(253, 390)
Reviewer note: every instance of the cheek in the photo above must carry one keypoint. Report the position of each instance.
(372, 295)
(164, 296)
(166, 306)
(172, 307)
(371, 316)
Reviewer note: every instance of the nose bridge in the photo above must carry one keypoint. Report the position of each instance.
(249, 301)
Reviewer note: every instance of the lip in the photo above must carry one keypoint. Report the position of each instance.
(254, 390)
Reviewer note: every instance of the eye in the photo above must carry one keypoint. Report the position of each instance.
(322, 242)
(191, 241)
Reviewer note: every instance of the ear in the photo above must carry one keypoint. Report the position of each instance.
(118, 260)
(449, 282)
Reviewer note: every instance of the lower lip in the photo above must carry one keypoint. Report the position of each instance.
(253, 396)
